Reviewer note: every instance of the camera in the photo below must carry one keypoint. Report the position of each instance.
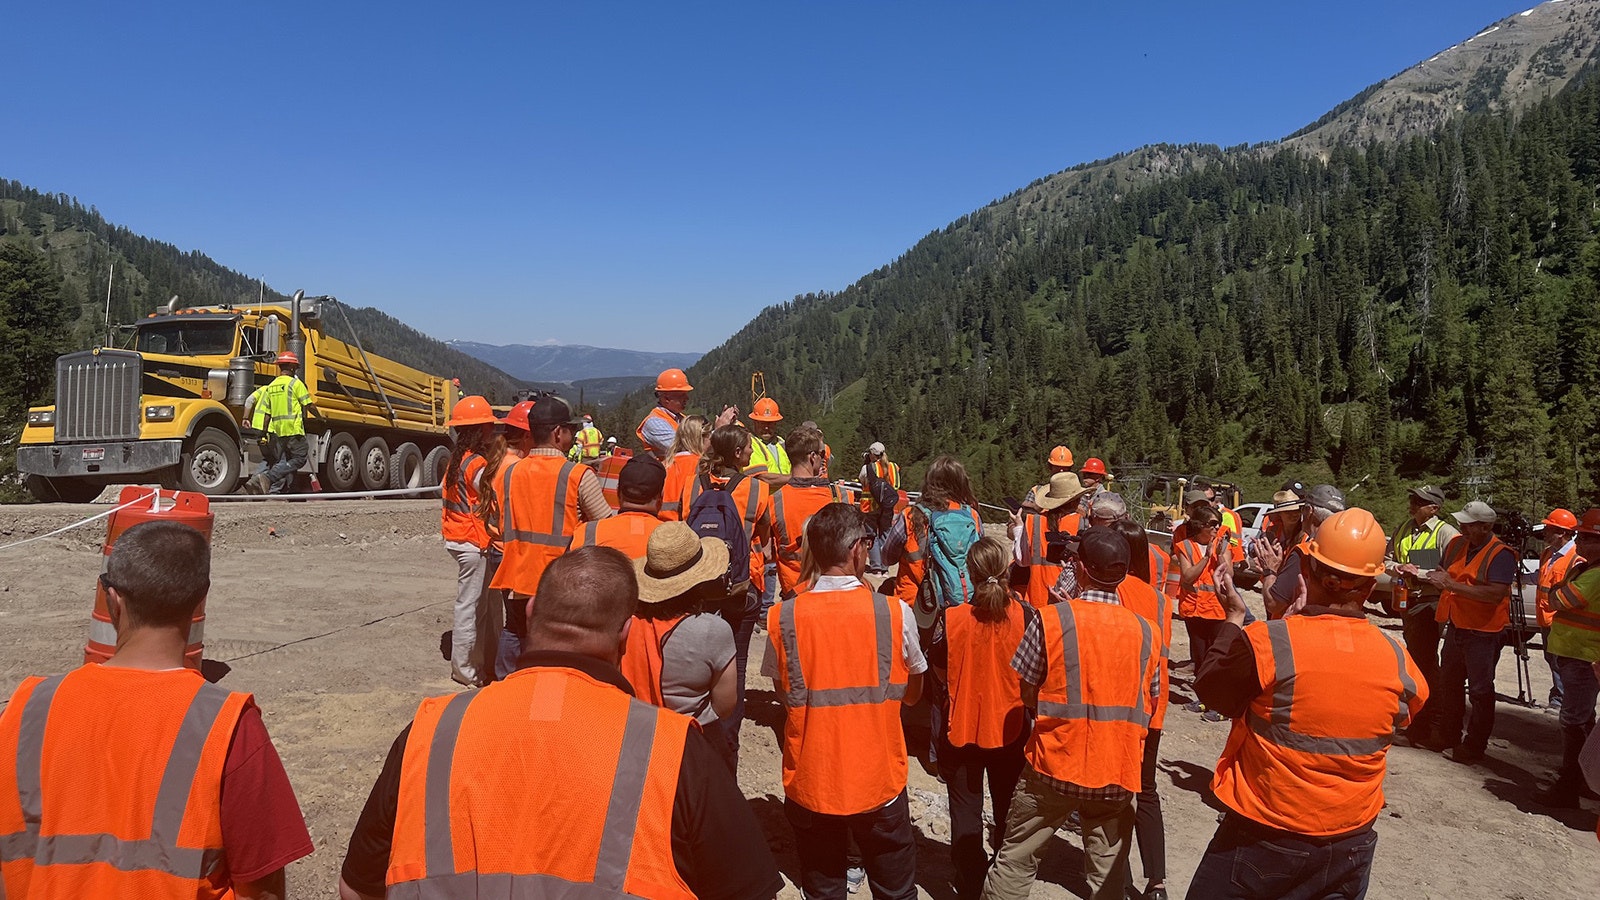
(1514, 529)
(1060, 546)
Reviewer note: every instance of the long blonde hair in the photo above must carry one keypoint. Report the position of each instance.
(691, 435)
(986, 564)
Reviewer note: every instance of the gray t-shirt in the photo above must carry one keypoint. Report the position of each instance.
(694, 653)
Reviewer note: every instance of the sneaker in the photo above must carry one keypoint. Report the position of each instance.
(1212, 715)
(262, 484)
(854, 878)
(1195, 706)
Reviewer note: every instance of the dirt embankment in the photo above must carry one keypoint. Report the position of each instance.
(330, 613)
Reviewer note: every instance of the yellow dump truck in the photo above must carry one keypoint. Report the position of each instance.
(171, 410)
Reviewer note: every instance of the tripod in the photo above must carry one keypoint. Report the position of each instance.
(1519, 634)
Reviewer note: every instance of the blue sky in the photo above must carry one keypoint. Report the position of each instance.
(640, 175)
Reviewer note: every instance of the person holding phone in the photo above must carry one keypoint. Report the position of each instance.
(1198, 557)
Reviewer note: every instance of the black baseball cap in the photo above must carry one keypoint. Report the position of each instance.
(641, 479)
(1105, 554)
(551, 410)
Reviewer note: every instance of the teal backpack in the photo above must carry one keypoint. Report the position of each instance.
(945, 582)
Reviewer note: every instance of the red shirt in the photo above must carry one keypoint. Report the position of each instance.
(262, 828)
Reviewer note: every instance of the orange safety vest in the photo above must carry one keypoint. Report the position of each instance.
(914, 556)
(1095, 703)
(985, 693)
(1551, 573)
(1472, 615)
(827, 457)
(1308, 756)
(1156, 608)
(1180, 532)
(592, 787)
(116, 790)
(538, 517)
(608, 470)
(754, 497)
(459, 522)
(1042, 573)
(657, 413)
(885, 471)
(841, 674)
(680, 472)
(792, 507)
(629, 532)
(1200, 600)
(641, 658)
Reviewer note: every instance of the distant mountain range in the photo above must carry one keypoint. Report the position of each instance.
(571, 363)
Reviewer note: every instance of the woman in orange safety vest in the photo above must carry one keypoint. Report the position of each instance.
(680, 653)
(988, 724)
(687, 448)
(475, 627)
(1196, 559)
(513, 444)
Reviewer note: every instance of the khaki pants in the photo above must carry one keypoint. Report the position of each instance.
(1037, 810)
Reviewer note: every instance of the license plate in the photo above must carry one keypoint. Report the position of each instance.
(94, 453)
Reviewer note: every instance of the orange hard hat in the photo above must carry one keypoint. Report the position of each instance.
(1094, 466)
(1561, 518)
(673, 380)
(1590, 523)
(1350, 541)
(1061, 456)
(518, 416)
(473, 410)
(766, 410)
(287, 358)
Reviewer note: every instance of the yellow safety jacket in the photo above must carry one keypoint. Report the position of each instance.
(767, 457)
(280, 407)
(589, 442)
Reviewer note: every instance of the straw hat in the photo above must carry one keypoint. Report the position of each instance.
(1064, 488)
(677, 559)
(1286, 501)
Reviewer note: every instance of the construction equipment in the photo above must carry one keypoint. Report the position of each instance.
(171, 410)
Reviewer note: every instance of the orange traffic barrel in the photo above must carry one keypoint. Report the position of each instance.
(186, 507)
(609, 468)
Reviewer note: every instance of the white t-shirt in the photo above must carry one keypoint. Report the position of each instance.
(910, 646)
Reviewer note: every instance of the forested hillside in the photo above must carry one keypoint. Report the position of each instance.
(81, 247)
(1386, 315)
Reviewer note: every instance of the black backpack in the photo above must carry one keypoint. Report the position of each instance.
(715, 514)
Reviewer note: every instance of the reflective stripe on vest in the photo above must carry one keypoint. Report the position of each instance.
(1075, 708)
(445, 882)
(159, 852)
(799, 695)
(1277, 728)
(557, 536)
(591, 533)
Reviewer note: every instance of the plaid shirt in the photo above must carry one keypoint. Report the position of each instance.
(1030, 662)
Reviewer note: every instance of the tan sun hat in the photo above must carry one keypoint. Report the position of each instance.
(1064, 488)
(677, 559)
(1284, 501)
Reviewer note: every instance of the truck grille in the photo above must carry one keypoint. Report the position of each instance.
(97, 395)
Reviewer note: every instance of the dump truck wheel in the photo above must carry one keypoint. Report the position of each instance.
(435, 465)
(62, 490)
(373, 464)
(210, 463)
(405, 467)
(343, 468)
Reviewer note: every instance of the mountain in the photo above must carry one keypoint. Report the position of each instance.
(1361, 303)
(79, 245)
(568, 363)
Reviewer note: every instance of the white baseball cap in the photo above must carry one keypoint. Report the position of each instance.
(1476, 511)
(876, 449)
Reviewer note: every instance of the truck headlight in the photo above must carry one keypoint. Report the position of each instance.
(160, 413)
(42, 417)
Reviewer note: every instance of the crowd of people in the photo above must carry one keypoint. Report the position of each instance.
(602, 633)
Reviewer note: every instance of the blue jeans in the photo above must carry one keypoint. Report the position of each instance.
(770, 596)
(1580, 688)
(1469, 660)
(510, 649)
(1249, 861)
(1555, 670)
(292, 452)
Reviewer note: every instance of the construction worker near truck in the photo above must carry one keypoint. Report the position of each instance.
(1575, 642)
(1560, 549)
(660, 426)
(137, 777)
(1474, 579)
(844, 753)
(1090, 667)
(475, 626)
(1315, 700)
(278, 410)
(544, 499)
(556, 782)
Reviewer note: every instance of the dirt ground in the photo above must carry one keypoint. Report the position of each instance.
(330, 613)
